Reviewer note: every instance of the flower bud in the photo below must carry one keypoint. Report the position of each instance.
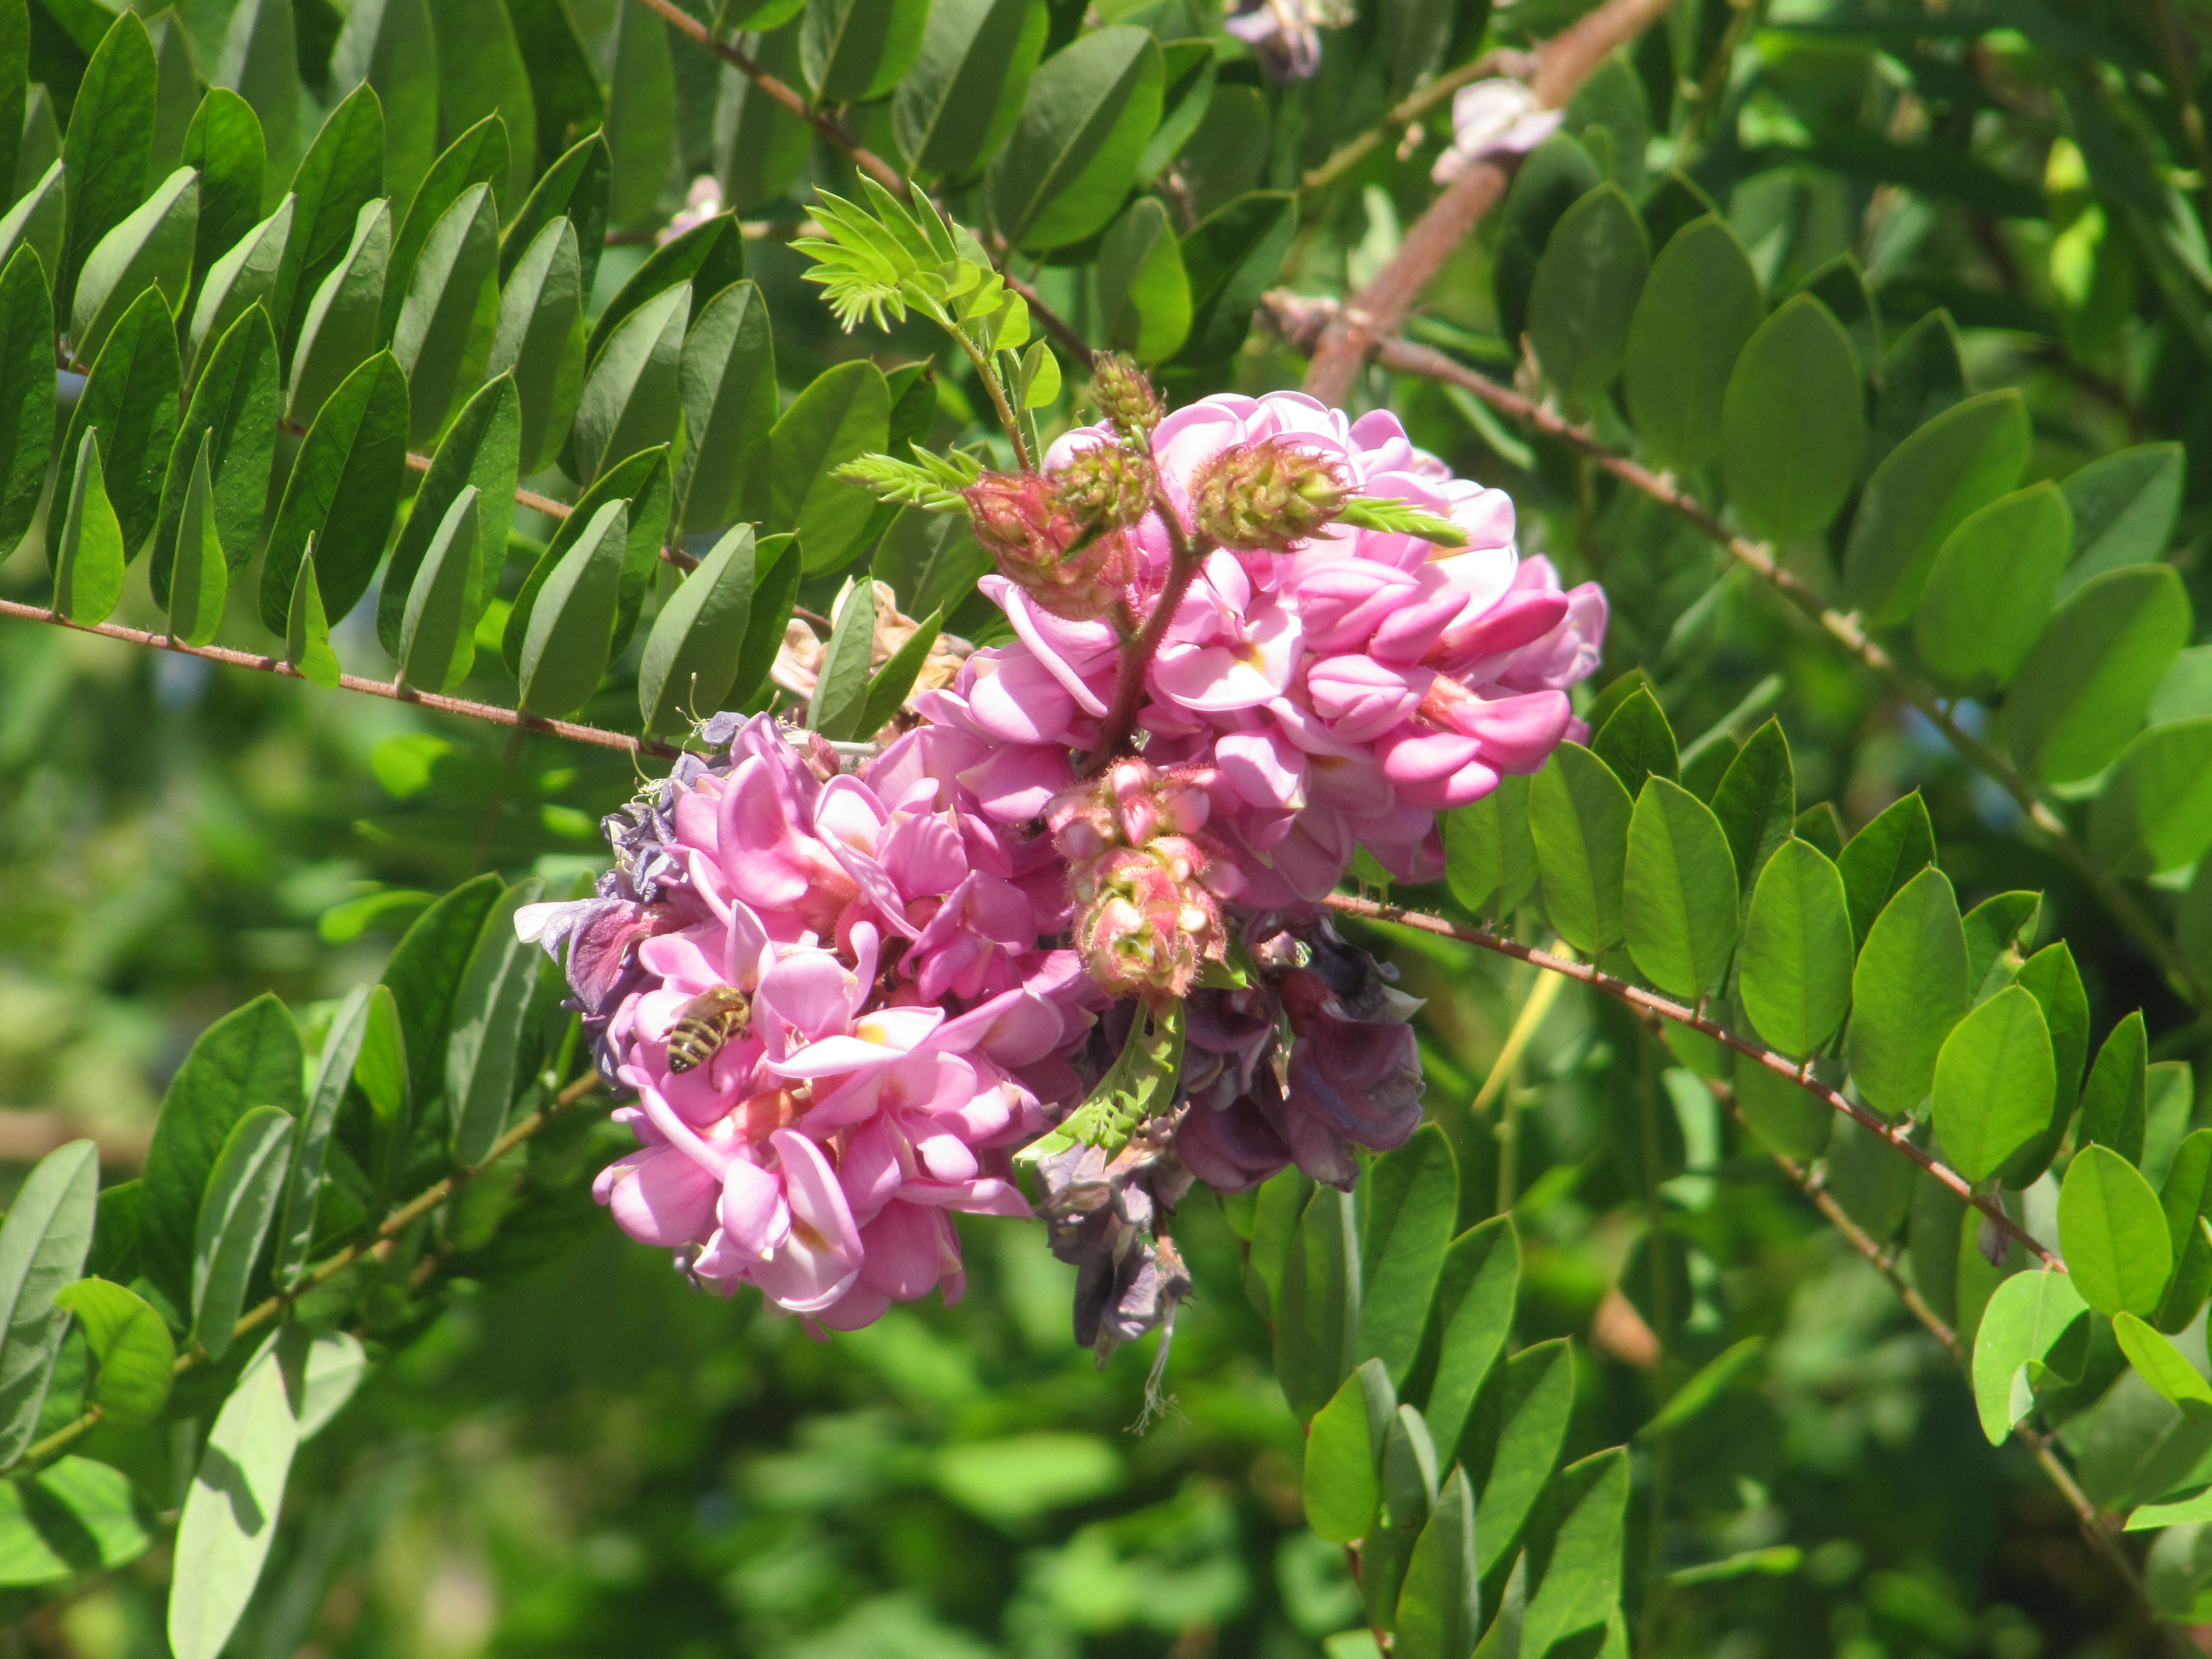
(1270, 494)
(1125, 397)
(1045, 550)
(1147, 924)
(1106, 487)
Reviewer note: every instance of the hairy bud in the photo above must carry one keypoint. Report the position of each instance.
(1126, 397)
(1145, 922)
(1270, 494)
(1106, 487)
(1043, 549)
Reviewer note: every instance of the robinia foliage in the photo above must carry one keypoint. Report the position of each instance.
(873, 421)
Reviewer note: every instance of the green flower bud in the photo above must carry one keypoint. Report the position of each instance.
(1270, 494)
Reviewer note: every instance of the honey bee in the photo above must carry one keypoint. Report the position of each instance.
(706, 1022)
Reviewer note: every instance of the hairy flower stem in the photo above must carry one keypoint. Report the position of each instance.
(1898, 1135)
(378, 1244)
(1297, 315)
(1186, 556)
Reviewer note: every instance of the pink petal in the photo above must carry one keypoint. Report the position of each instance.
(752, 1211)
(660, 1197)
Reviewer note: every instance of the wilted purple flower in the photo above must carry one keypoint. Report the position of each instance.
(1285, 34)
(1496, 117)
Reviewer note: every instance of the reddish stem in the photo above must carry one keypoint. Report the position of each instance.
(1183, 565)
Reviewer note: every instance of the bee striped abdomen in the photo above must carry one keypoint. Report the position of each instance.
(705, 1024)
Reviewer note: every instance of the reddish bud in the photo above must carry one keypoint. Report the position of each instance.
(1043, 549)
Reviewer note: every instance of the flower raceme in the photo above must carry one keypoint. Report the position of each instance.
(1008, 931)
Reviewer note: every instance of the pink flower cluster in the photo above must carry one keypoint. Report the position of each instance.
(1335, 697)
(904, 1031)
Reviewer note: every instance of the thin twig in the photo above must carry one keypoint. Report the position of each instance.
(529, 498)
(1898, 1135)
(1297, 315)
(1412, 108)
(862, 157)
(2093, 1528)
(1183, 564)
(1055, 325)
(441, 704)
(397, 1222)
(1563, 64)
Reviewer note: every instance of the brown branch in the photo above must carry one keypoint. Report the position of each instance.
(2098, 1536)
(397, 1222)
(1298, 316)
(867, 160)
(1055, 325)
(444, 705)
(1563, 64)
(1412, 108)
(1898, 1135)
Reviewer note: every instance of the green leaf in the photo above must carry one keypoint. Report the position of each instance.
(14, 78)
(1231, 257)
(340, 330)
(965, 92)
(423, 972)
(324, 1377)
(1557, 173)
(150, 247)
(1586, 285)
(1786, 1118)
(1073, 152)
(1144, 296)
(1699, 308)
(690, 659)
(564, 650)
(27, 415)
(727, 384)
(444, 335)
(1921, 377)
(1997, 930)
(131, 398)
(343, 493)
(540, 340)
(1316, 1312)
(1512, 1439)
(1711, 1381)
(334, 1073)
(2186, 1199)
(709, 257)
(574, 188)
(930, 561)
(488, 1009)
(563, 83)
(2035, 1323)
(341, 173)
(2161, 1365)
(1963, 459)
(88, 553)
(1579, 816)
(437, 639)
(308, 629)
(249, 1058)
(1408, 1205)
(2114, 1112)
(1793, 422)
(2155, 812)
(630, 399)
(199, 580)
(1796, 966)
(1578, 1575)
(2125, 507)
(1440, 1604)
(1991, 589)
(480, 450)
(1993, 1083)
(1470, 1317)
(224, 143)
(109, 147)
(246, 276)
(2112, 1233)
(1637, 741)
(229, 1516)
(1409, 1490)
(841, 688)
(642, 481)
(1679, 903)
(1909, 989)
(1490, 854)
(42, 1248)
(2050, 977)
(258, 63)
(760, 147)
(35, 222)
(2081, 694)
(1877, 862)
(75, 1517)
(891, 685)
(1138, 1085)
(388, 46)
(845, 413)
(857, 51)
(1756, 802)
(1344, 1453)
(233, 415)
(130, 1347)
(641, 120)
(236, 1212)
(479, 156)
